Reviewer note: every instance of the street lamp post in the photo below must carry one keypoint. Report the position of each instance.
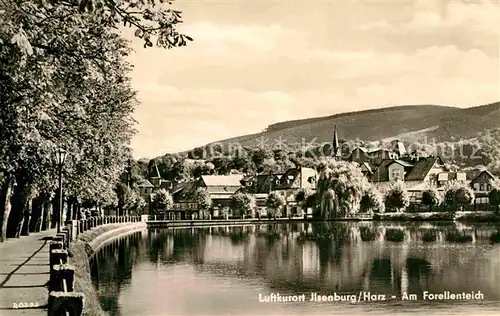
(60, 158)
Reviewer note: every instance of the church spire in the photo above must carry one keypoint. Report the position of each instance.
(335, 144)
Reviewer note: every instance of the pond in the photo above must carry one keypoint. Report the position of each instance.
(348, 268)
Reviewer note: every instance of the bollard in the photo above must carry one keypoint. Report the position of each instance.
(62, 302)
(60, 272)
(58, 255)
(55, 245)
(64, 240)
(66, 235)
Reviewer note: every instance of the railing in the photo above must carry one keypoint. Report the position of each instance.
(80, 226)
(63, 300)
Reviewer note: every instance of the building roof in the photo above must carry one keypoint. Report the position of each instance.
(422, 168)
(375, 150)
(183, 188)
(489, 174)
(229, 180)
(145, 184)
(399, 147)
(155, 173)
(264, 183)
(367, 167)
(402, 163)
(381, 173)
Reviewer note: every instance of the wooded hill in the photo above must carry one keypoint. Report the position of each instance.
(411, 123)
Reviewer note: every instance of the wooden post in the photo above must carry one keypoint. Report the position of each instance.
(60, 272)
(62, 302)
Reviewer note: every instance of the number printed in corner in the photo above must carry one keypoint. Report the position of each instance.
(26, 305)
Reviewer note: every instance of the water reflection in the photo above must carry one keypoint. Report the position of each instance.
(224, 268)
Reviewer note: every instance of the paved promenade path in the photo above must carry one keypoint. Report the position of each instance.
(24, 273)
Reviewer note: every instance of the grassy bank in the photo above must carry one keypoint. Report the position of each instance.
(81, 251)
(408, 217)
(470, 217)
(478, 217)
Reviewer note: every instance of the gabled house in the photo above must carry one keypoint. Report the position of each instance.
(379, 155)
(146, 190)
(420, 174)
(155, 178)
(291, 181)
(184, 207)
(481, 184)
(359, 155)
(221, 190)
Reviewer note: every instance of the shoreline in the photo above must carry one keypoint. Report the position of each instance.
(428, 217)
(82, 250)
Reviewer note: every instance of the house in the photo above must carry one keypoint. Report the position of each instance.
(481, 184)
(184, 207)
(359, 155)
(379, 155)
(418, 176)
(445, 177)
(425, 170)
(221, 190)
(146, 190)
(291, 181)
(155, 178)
(260, 186)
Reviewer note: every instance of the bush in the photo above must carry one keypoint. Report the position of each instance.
(243, 202)
(458, 194)
(274, 203)
(430, 198)
(397, 197)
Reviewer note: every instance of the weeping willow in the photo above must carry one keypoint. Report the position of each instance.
(341, 186)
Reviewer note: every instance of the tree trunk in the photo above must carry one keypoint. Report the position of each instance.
(45, 216)
(36, 215)
(69, 207)
(27, 214)
(5, 206)
(53, 211)
(19, 199)
(74, 212)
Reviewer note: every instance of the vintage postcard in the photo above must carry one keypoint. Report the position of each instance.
(249, 157)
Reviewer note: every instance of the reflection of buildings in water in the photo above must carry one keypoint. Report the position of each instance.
(221, 249)
(310, 258)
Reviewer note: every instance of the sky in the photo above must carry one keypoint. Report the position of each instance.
(253, 63)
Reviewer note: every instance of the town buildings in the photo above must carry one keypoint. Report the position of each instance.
(381, 166)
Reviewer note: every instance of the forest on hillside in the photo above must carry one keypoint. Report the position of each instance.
(473, 154)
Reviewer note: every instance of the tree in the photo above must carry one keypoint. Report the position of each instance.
(457, 195)
(151, 20)
(274, 203)
(431, 197)
(340, 186)
(244, 202)
(494, 195)
(162, 199)
(202, 198)
(73, 94)
(397, 197)
(372, 200)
